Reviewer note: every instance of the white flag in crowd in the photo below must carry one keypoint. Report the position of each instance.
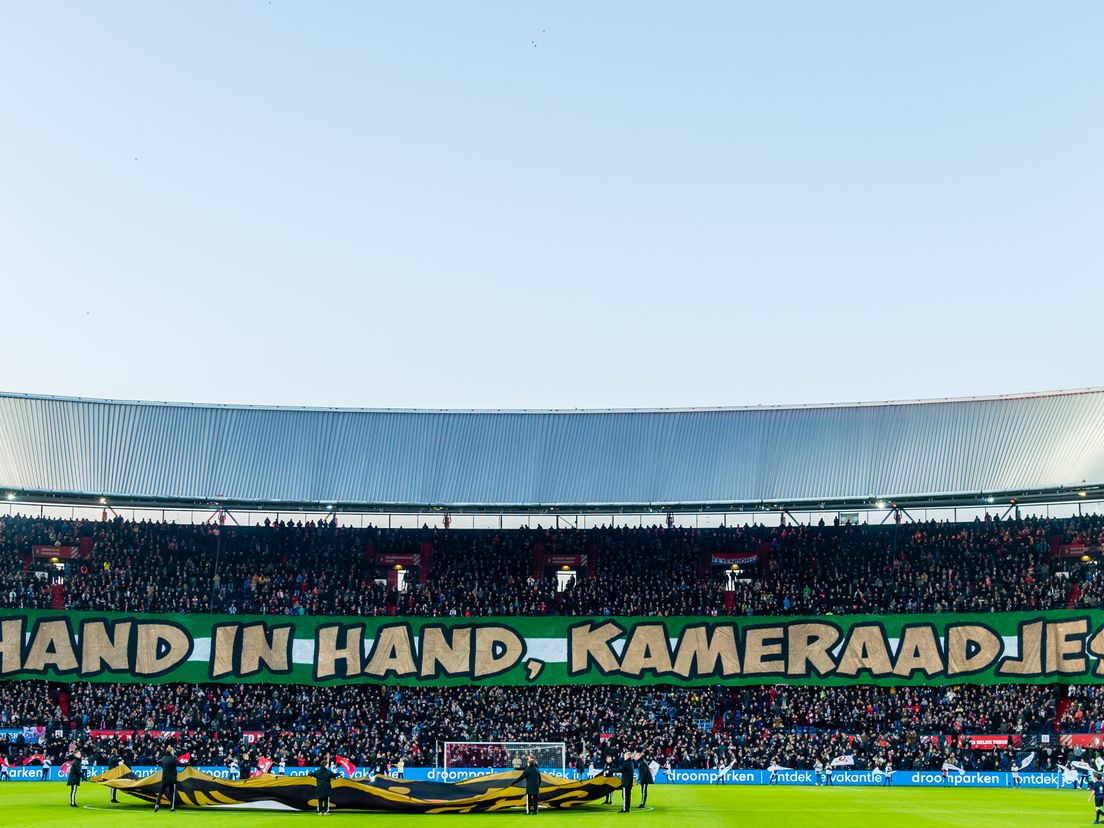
(1026, 762)
(947, 766)
(845, 761)
(776, 767)
(653, 766)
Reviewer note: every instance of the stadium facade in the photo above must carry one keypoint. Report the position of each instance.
(1028, 448)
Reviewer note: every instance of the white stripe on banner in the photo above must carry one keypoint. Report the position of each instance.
(548, 650)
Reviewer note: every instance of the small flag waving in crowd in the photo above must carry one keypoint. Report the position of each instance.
(184, 757)
(64, 769)
(345, 765)
(263, 765)
(34, 757)
(1069, 775)
(846, 761)
(1026, 762)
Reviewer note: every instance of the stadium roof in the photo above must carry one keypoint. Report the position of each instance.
(1032, 447)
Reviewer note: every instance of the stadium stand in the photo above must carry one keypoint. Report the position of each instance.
(324, 569)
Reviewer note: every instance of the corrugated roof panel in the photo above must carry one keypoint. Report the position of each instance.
(376, 458)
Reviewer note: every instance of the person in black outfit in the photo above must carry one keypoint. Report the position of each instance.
(74, 779)
(114, 761)
(532, 779)
(169, 764)
(322, 786)
(626, 768)
(245, 768)
(644, 776)
(607, 770)
(1096, 792)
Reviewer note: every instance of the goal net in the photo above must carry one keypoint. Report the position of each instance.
(550, 756)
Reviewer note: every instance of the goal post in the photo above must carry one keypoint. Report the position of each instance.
(551, 756)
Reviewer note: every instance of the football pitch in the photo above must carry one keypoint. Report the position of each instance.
(682, 806)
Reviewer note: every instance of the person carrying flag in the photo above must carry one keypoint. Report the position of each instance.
(829, 769)
(169, 763)
(1096, 793)
(46, 764)
(73, 780)
(532, 779)
(887, 780)
(322, 785)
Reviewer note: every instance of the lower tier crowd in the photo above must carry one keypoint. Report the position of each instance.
(710, 727)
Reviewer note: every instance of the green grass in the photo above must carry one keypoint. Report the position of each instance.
(683, 806)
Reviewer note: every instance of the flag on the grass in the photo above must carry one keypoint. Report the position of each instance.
(948, 766)
(345, 765)
(263, 765)
(34, 757)
(1026, 762)
(845, 761)
(184, 757)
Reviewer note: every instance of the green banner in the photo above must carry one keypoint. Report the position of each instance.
(1033, 648)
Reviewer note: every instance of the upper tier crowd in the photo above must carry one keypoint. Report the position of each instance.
(912, 727)
(323, 569)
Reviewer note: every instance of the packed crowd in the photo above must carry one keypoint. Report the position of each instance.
(322, 569)
(686, 728)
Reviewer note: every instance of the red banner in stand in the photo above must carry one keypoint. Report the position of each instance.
(989, 741)
(63, 553)
(1089, 740)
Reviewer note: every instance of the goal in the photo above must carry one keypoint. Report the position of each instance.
(551, 756)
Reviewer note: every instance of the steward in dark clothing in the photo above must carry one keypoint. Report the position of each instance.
(322, 786)
(532, 779)
(644, 777)
(626, 768)
(76, 773)
(169, 764)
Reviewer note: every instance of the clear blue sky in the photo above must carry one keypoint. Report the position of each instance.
(550, 204)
